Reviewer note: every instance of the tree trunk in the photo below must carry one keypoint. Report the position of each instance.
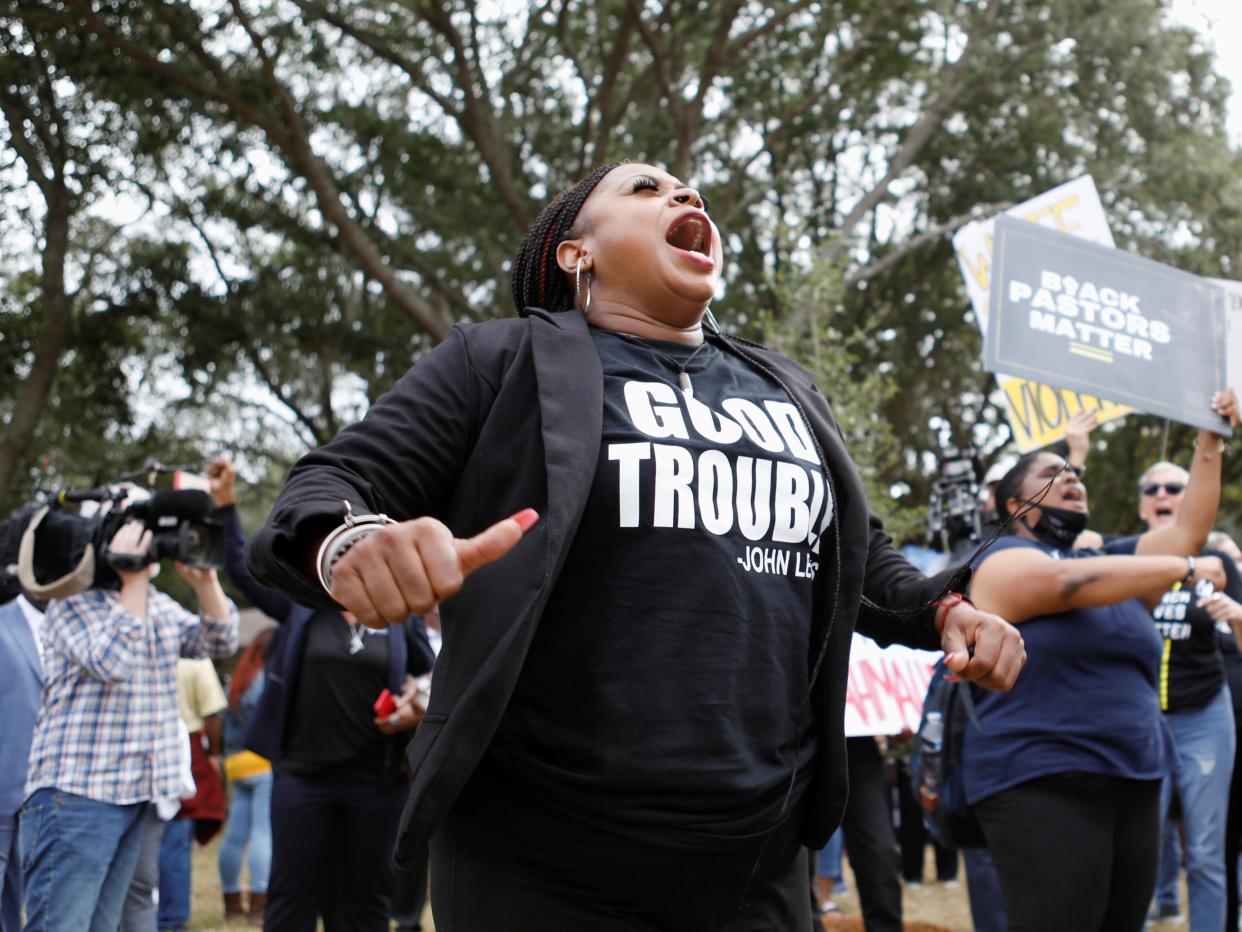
(54, 336)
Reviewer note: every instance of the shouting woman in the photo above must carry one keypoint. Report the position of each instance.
(637, 714)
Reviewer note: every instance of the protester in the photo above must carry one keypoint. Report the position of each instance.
(1227, 613)
(828, 876)
(21, 692)
(912, 835)
(1194, 696)
(200, 701)
(1166, 900)
(870, 839)
(1077, 448)
(107, 741)
(409, 886)
(339, 785)
(629, 717)
(141, 910)
(1064, 773)
(248, 831)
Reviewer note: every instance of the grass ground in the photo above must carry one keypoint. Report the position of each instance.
(207, 905)
(932, 907)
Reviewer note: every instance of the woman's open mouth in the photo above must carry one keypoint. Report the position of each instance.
(690, 233)
(1074, 498)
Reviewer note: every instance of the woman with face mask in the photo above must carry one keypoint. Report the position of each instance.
(1064, 773)
(637, 719)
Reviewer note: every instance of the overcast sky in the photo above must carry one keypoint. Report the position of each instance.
(1220, 22)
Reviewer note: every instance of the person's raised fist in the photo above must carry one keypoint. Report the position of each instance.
(223, 480)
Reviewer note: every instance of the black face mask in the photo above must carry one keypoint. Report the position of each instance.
(1059, 527)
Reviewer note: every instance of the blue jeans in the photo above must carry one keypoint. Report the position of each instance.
(829, 863)
(176, 852)
(249, 825)
(78, 857)
(1205, 748)
(10, 875)
(1170, 863)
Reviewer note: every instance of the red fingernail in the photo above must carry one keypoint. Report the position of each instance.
(526, 519)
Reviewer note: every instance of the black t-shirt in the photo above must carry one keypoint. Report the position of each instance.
(332, 723)
(661, 694)
(1192, 671)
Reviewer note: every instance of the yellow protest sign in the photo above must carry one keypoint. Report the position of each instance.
(1038, 413)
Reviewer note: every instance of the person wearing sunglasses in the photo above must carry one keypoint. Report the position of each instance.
(1194, 697)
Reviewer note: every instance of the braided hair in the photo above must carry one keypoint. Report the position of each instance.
(537, 279)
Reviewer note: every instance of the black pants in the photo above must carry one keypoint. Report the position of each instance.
(1075, 851)
(505, 862)
(332, 838)
(1233, 842)
(869, 838)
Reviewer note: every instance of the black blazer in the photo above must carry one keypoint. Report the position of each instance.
(507, 415)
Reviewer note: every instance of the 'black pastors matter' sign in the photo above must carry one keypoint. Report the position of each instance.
(1073, 314)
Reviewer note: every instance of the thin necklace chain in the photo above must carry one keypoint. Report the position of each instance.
(683, 377)
(356, 642)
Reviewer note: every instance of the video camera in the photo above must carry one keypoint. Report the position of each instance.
(53, 551)
(953, 513)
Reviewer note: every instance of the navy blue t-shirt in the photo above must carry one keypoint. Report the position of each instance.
(1086, 701)
(662, 689)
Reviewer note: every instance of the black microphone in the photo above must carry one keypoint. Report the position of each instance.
(191, 504)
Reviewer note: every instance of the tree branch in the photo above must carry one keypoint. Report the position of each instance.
(22, 144)
(872, 269)
(474, 118)
(277, 388)
(917, 137)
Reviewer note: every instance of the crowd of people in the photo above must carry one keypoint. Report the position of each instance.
(1110, 765)
(116, 738)
(651, 550)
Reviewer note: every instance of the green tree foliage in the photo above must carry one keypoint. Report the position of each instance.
(343, 181)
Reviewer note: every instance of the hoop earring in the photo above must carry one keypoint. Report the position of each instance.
(578, 287)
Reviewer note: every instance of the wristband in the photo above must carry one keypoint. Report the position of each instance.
(948, 603)
(1189, 579)
(339, 542)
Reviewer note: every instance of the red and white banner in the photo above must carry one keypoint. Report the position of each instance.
(886, 688)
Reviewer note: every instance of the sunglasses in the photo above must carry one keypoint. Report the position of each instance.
(1173, 488)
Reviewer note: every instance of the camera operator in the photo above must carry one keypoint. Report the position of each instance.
(21, 692)
(107, 740)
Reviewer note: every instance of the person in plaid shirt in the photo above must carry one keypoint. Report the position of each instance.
(106, 742)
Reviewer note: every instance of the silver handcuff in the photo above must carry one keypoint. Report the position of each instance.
(342, 539)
